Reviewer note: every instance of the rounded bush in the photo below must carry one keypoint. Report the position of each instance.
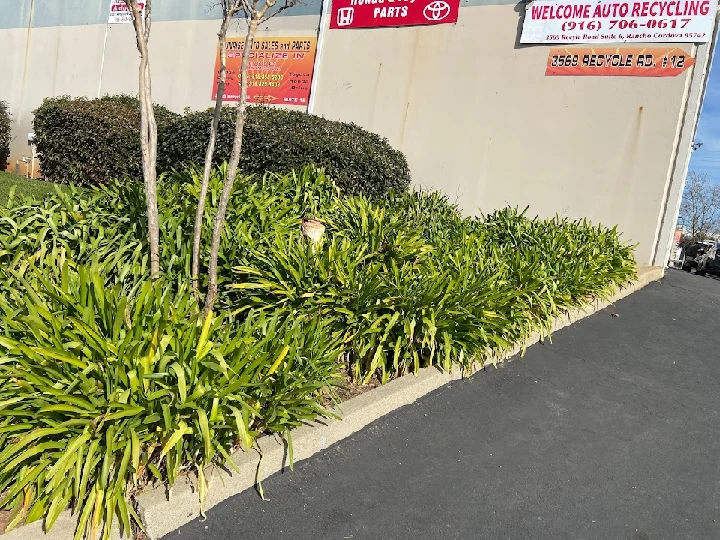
(280, 141)
(4, 135)
(91, 141)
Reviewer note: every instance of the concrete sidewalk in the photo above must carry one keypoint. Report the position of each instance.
(612, 432)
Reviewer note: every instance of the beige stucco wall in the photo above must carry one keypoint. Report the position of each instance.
(477, 117)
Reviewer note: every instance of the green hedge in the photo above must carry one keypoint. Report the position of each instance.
(279, 141)
(4, 135)
(89, 142)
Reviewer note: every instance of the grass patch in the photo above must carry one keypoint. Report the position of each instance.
(23, 186)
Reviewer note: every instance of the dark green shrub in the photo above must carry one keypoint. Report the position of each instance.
(279, 140)
(91, 141)
(448, 291)
(5, 134)
(117, 379)
(153, 390)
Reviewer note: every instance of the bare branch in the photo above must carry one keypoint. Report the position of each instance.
(247, 8)
(700, 207)
(254, 18)
(148, 18)
(287, 4)
(229, 8)
(269, 4)
(148, 129)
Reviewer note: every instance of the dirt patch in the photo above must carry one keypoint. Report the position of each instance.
(4, 520)
(350, 389)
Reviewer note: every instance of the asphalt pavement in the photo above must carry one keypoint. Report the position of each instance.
(610, 432)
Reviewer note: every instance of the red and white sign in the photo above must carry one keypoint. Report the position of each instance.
(120, 14)
(375, 13)
(612, 21)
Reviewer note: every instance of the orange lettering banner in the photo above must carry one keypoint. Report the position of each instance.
(280, 70)
(618, 62)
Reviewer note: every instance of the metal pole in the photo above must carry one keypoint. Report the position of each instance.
(324, 25)
(102, 61)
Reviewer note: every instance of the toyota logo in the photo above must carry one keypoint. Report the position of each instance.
(436, 10)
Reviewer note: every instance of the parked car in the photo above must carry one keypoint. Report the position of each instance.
(701, 257)
(710, 266)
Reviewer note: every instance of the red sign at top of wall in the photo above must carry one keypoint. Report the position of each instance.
(374, 13)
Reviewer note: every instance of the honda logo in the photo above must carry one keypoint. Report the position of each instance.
(345, 16)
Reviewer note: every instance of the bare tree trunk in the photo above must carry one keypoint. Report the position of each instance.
(219, 223)
(148, 130)
(228, 14)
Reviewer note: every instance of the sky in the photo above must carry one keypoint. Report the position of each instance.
(707, 158)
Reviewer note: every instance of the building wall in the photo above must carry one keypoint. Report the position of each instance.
(469, 106)
(477, 118)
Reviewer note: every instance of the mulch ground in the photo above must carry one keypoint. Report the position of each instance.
(4, 520)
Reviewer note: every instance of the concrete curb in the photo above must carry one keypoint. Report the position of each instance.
(162, 516)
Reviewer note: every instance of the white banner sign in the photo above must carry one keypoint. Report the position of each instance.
(120, 14)
(612, 21)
